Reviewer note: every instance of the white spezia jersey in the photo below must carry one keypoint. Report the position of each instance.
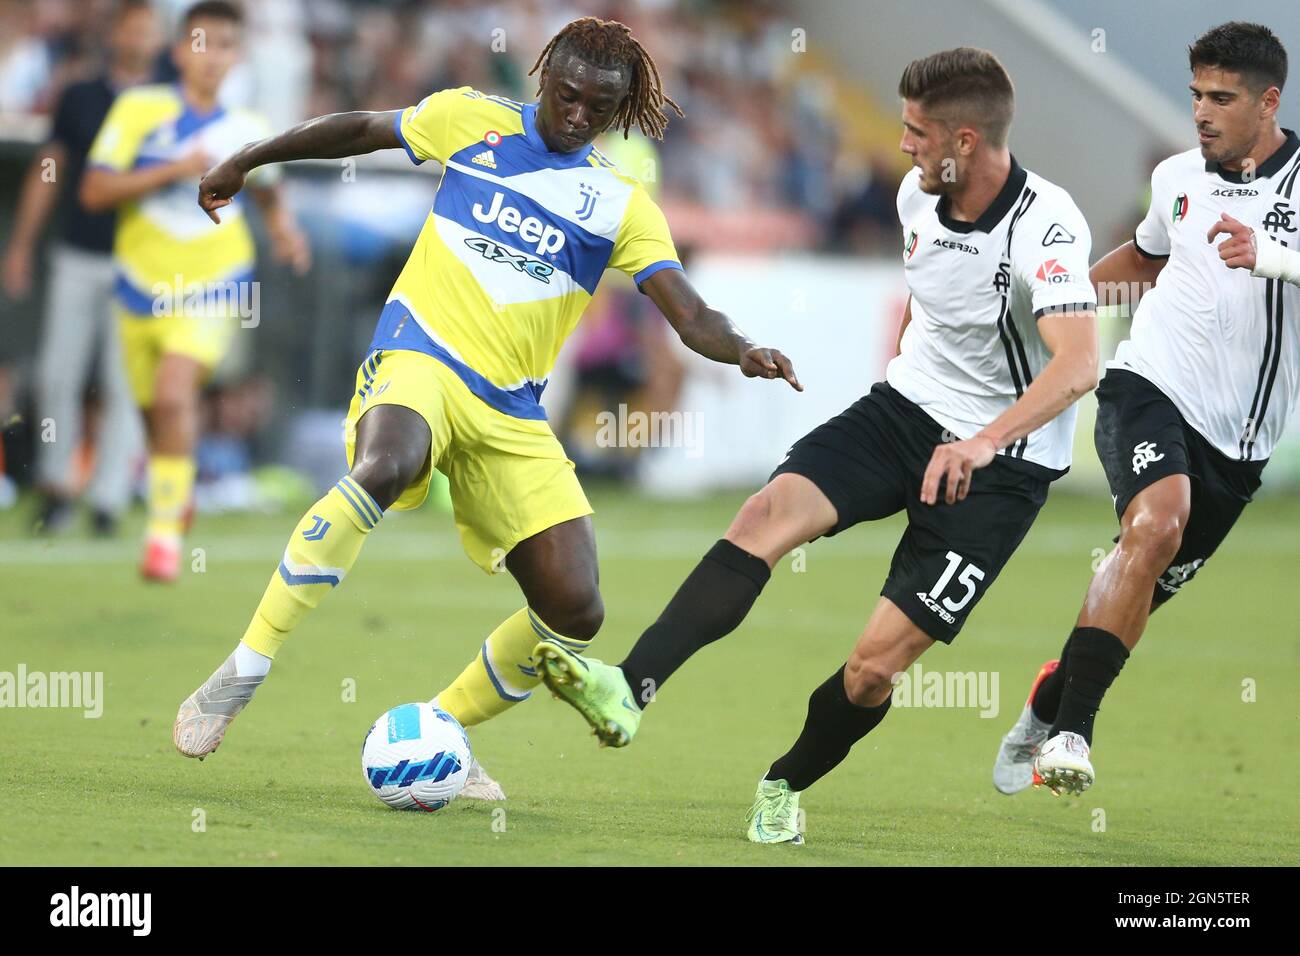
(1220, 343)
(978, 291)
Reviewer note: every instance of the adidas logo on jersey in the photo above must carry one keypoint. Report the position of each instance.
(1052, 271)
(485, 158)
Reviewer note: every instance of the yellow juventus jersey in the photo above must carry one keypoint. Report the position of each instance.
(165, 245)
(514, 246)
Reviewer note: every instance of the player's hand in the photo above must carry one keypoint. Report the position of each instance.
(768, 363)
(955, 462)
(218, 186)
(289, 245)
(1238, 250)
(18, 271)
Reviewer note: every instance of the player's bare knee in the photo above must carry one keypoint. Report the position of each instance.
(1153, 537)
(867, 681)
(384, 476)
(578, 614)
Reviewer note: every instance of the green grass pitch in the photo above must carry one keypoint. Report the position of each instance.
(1189, 772)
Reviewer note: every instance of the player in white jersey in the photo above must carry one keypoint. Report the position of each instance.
(1194, 402)
(971, 426)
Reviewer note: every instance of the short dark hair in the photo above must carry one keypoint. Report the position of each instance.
(213, 10)
(125, 7)
(967, 85)
(1250, 49)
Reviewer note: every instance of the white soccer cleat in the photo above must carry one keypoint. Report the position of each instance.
(1013, 770)
(1062, 764)
(479, 786)
(204, 716)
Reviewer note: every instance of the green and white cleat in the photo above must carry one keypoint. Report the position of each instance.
(597, 691)
(774, 817)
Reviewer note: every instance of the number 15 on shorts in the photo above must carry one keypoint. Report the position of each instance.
(969, 575)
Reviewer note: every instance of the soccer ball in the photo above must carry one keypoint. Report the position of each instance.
(416, 757)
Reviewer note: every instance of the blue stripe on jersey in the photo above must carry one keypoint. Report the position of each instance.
(654, 267)
(191, 120)
(397, 125)
(463, 199)
(521, 402)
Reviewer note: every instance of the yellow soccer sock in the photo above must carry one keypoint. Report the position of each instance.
(171, 483)
(320, 553)
(504, 672)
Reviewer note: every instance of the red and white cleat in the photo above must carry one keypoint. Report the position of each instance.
(162, 558)
(1013, 768)
(1063, 764)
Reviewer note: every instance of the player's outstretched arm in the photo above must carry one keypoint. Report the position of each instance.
(710, 333)
(326, 137)
(1068, 376)
(1124, 274)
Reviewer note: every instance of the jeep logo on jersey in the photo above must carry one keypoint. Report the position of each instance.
(495, 252)
(1056, 233)
(909, 247)
(1279, 218)
(1180, 206)
(959, 246)
(1052, 271)
(546, 239)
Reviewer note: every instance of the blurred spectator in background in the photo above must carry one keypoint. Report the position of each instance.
(78, 333)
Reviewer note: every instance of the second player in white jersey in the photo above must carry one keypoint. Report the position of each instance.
(1214, 339)
(978, 289)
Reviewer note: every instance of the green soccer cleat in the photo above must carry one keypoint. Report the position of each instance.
(597, 691)
(774, 817)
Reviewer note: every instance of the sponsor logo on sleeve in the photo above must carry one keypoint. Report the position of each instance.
(1053, 272)
(1056, 233)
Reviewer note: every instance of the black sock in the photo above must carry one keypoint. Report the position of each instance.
(1047, 699)
(833, 725)
(709, 605)
(1096, 657)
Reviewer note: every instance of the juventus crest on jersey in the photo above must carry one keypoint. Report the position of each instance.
(978, 290)
(1216, 340)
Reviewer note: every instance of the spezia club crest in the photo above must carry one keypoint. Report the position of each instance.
(909, 247)
(1180, 207)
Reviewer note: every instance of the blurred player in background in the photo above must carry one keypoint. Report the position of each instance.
(183, 286)
(79, 330)
(1195, 401)
(974, 421)
(527, 218)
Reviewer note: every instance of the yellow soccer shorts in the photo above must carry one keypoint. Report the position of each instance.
(147, 338)
(509, 477)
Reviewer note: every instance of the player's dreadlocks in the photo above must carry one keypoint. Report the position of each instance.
(610, 45)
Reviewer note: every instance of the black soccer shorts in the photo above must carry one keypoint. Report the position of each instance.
(1141, 438)
(870, 460)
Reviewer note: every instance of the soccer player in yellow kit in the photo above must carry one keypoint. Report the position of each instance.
(527, 218)
(183, 286)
